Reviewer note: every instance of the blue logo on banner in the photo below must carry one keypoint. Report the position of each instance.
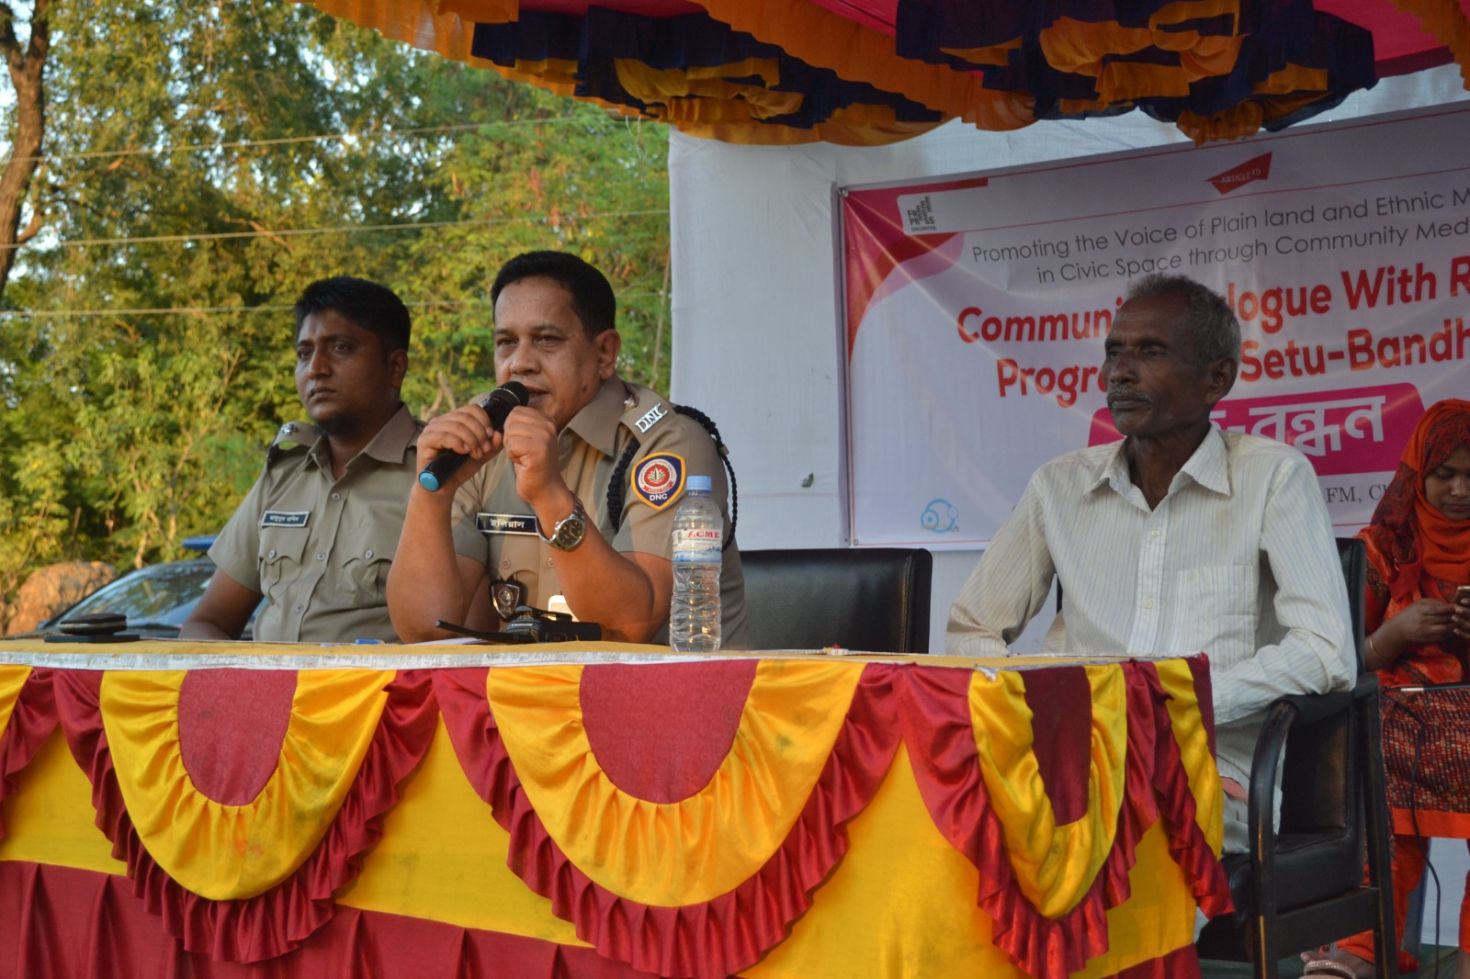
(940, 517)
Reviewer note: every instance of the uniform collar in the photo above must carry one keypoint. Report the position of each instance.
(1209, 467)
(395, 438)
(597, 422)
(389, 446)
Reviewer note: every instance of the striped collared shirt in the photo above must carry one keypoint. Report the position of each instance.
(1238, 560)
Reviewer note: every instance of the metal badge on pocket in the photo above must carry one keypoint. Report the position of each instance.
(507, 595)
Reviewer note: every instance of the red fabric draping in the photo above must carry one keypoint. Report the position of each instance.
(80, 924)
(713, 938)
(278, 920)
(31, 722)
(698, 706)
(213, 707)
(1176, 803)
(934, 713)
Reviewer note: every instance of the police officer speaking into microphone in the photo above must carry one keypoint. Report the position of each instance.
(576, 496)
(316, 533)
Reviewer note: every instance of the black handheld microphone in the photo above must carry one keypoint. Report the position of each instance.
(497, 404)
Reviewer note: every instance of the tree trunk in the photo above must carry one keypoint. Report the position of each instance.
(27, 77)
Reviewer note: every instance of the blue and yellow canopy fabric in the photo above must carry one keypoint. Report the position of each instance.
(867, 72)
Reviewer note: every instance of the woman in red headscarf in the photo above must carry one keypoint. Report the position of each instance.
(1418, 624)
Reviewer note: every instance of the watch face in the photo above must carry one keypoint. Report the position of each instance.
(569, 532)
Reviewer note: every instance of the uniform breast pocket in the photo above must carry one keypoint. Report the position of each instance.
(1215, 606)
(280, 555)
(367, 557)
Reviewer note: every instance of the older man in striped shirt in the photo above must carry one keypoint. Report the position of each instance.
(1179, 538)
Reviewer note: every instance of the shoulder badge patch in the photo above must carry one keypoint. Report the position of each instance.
(659, 479)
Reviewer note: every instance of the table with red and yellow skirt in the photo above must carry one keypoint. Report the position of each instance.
(197, 809)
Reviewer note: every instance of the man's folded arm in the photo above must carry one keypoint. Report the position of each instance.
(1315, 655)
(1009, 585)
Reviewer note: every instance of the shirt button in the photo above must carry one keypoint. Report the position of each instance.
(1153, 535)
(321, 556)
(300, 607)
(1148, 603)
(271, 552)
(548, 562)
(368, 555)
(336, 496)
(505, 564)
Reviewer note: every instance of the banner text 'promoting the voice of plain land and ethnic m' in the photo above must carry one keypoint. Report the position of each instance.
(976, 308)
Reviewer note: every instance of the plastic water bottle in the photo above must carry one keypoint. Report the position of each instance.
(699, 537)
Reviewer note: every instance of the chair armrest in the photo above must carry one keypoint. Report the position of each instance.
(1283, 714)
(1313, 707)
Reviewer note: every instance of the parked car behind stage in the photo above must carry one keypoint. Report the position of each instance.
(156, 599)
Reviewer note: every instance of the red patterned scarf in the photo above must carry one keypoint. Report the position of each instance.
(1417, 538)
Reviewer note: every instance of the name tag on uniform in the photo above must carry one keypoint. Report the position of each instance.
(506, 523)
(284, 518)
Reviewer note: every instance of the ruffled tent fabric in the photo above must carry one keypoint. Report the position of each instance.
(867, 72)
(714, 937)
(267, 924)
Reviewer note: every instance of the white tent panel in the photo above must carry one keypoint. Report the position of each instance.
(755, 302)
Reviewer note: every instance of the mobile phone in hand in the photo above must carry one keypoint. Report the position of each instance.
(1462, 595)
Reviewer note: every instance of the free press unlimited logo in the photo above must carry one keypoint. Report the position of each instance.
(1256, 168)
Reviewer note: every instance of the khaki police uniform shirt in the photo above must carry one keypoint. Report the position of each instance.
(319, 549)
(495, 527)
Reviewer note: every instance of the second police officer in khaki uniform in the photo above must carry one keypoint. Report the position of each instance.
(317, 531)
(533, 516)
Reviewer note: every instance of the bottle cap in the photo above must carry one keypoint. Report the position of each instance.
(701, 484)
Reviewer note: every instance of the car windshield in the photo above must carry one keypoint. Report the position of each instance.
(163, 594)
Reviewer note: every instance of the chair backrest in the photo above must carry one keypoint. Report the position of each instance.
(858, 598)
(1354, 557)
(1319, 773)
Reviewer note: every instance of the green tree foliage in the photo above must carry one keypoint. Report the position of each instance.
(245, 150)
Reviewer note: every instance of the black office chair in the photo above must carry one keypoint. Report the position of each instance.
(859, 598)
(1302, 886)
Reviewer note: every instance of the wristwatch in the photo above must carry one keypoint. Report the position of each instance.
(569, 530)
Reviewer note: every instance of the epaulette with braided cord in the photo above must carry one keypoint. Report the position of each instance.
(618, 484)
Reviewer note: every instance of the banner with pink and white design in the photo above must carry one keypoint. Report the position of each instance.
(975, 309)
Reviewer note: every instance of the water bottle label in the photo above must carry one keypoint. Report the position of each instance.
(701, 545)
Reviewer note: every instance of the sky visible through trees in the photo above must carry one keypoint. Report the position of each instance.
(200, 163)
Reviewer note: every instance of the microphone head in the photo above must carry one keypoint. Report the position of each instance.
(513, 393)
(503, 400)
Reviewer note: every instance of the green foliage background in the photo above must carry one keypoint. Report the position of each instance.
(122, 431)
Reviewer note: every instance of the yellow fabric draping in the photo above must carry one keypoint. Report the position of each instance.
(442, 857)
(1054, 864)
(824, 39)
(672, 854)
(901, 902)
(659, 86)
(224, 852)
(1446, 21)
(12, 678)
(1188, 724)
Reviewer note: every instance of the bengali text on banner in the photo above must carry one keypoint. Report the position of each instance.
(976, 307)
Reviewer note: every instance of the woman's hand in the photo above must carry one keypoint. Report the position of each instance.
(1426, 621)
